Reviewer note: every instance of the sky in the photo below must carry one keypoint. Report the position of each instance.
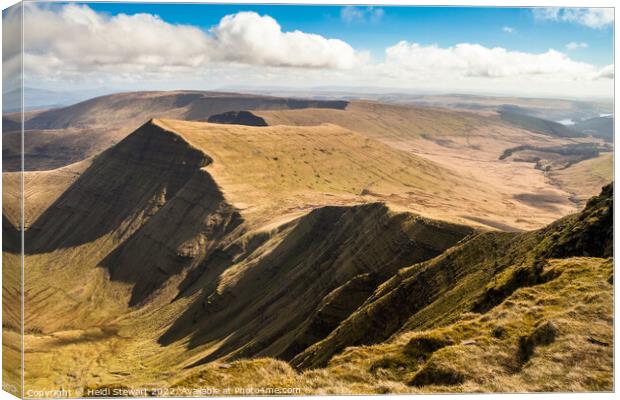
(559, 52)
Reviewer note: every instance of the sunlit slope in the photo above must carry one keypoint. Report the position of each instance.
(384, 121)
(467, 143)
(284, 170)
(556, 336)
(474, 276)
(189, 242)
(583, 178)
(41, 189)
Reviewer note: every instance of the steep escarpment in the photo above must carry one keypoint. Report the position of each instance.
(316, 271)
(120, 190)
(138, 217)
(475, 276)
(188, 228)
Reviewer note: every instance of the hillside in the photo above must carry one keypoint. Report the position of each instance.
(508, 319)
(582, 178)
(61, 136)
(539, 125)
(192, 244)
(468, 144)
(602, 127)
(190, 236)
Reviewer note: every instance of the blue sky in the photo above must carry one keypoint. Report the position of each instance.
(566, 52)
(444, 26)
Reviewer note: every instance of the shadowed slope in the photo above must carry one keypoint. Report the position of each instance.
(464, 278)
(118, 192)
(261, 304)
(507, 319)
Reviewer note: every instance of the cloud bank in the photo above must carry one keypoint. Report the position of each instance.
(74, 45)
(474, 60)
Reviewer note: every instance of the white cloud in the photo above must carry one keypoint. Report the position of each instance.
(74, 39)
(350, 14)
(473, 60)
(591, 17)
(576, 45)
(249, 38)
(508, 29)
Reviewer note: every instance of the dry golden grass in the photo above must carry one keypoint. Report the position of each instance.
(479, 353)
(467, 143)
(583, 178)
(383, 121)
(41, 189)
(286, 170)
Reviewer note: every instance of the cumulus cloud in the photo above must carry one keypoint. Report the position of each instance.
(474, 60)
(76, 39)
(591, 17)
(350, 14)
(576, 45)
(508, 29)
(250, 38)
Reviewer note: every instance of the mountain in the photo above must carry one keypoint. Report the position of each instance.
(465, 143)
(193, 247)
(498, 311)
(61, 136)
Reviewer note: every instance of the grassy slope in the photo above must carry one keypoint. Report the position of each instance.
(257, 168)
(41, 189)
(474, 354)
(583, 178)
(383, 121)
(292, 167)
(165, 226)
(538, 323)
(434, 292)
(65, 135)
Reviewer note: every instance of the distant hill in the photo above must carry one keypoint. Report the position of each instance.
(538, 125)
(602, 127)
(38, 99)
